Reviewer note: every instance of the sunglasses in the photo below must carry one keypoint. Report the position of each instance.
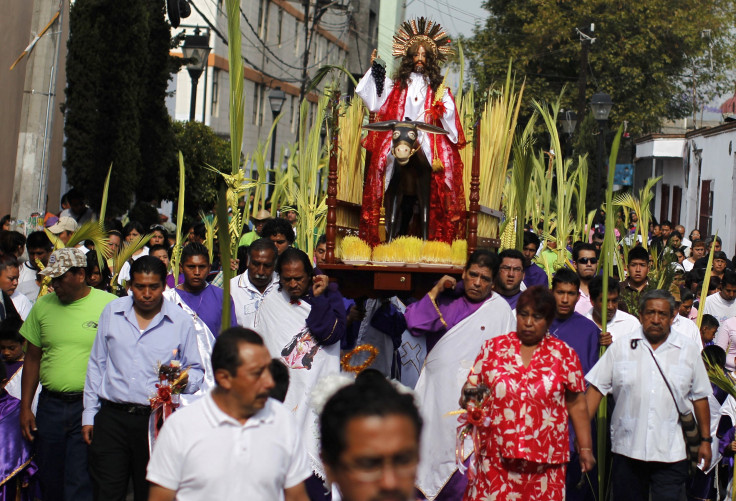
(586, 260)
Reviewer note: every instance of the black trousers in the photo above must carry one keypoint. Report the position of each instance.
(635, 480)
(118, 452)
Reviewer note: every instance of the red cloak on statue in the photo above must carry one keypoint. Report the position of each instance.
(447, 215)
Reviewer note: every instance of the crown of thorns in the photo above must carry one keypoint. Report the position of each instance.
(422, 31)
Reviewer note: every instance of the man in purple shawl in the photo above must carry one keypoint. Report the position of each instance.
(582, 335)
(450, 301)
(205, 300)
(445, 306)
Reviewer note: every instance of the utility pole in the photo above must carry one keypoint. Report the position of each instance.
(38, 111)
(319, 10)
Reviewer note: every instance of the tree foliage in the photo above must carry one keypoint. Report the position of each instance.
(118, 66)
(200, 146)
(653, 57)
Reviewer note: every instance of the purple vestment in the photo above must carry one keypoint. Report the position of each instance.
(581, 335)
(534, 275)
(15, 451)
(423, 317)
(207, 304)
(512, 300)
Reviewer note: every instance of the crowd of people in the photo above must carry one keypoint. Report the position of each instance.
(516, 359)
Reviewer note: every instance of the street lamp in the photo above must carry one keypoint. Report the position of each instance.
(276, 100)
(601, 104)
(196, 49)
(569, 122)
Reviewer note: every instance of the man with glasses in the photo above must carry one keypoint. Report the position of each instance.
(509, 277)
(585, 261)
(236, 442)
(370, 440)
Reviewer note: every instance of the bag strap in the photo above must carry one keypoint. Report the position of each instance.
(634, 344)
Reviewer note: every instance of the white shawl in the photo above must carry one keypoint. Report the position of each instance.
(283, 327)
(445, 371)
(205, 343)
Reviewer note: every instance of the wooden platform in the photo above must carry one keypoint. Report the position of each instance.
(378, 281)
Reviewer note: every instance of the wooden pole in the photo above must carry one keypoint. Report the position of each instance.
(474, 206)
(331, 230)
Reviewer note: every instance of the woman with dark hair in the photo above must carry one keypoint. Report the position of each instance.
(159, 236)
(98, 278)
(527, 383)
(131, 231)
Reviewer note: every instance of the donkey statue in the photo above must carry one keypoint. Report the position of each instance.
(411, 175)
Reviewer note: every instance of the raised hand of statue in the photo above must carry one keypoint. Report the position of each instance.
(374, 55)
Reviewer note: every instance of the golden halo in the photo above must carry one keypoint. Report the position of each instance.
(423, 31)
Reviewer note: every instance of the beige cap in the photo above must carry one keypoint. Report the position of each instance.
(64, 224)
(261, 215)
(63, 260)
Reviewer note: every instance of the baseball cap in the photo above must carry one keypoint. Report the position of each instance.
(63, 260)
(64, 224)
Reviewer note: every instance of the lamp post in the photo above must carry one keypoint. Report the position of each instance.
(276, 100)
(196, 49)
(601, 104)
(568, 121)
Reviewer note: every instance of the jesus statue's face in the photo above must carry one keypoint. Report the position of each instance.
(420, 59)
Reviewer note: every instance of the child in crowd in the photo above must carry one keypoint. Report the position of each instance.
(12, 346)
(708, 327)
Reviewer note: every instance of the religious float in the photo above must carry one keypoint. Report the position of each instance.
(411, 199)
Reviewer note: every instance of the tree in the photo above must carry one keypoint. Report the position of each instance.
(118, 66)
(648, 54)
(199, 146)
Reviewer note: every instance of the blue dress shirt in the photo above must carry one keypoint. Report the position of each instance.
(124, 360)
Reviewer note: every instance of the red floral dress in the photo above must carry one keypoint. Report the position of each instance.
(526, 446)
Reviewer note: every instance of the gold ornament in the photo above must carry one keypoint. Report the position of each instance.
(345, 362)
(423, 31)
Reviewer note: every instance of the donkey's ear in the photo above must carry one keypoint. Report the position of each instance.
(381, 126)
(431, 129)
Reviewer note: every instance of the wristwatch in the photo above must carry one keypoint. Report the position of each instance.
(707, 439)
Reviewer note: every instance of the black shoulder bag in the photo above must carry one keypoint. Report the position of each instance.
(690, 431)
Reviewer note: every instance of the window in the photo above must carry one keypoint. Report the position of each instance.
(297, 36)
(280, 26)
(676, 204)
(664, 208)
(259, 92)
(705, 218)
(293, 114)
(215, 91)
(263, 7)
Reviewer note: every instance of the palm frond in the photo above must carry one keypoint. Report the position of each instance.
(176, 251)
(92, 231)
(706, 284)
(325, 70)
(105, 190)
(126, 253)
(55, 240)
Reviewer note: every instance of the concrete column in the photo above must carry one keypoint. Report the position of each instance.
(40, 105)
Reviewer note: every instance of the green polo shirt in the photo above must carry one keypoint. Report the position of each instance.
(65, 333)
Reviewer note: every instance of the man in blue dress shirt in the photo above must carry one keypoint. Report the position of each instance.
(134, 336)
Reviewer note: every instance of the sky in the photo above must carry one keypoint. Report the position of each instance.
(455, 20)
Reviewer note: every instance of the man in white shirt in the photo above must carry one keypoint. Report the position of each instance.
(722, 305)
(235, 443)
(649, 454)
(618, 323)
(249, 289)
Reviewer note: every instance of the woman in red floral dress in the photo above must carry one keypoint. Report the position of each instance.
(528, 383)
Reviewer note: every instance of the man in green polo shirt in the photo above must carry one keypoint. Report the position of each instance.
(60, 330)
